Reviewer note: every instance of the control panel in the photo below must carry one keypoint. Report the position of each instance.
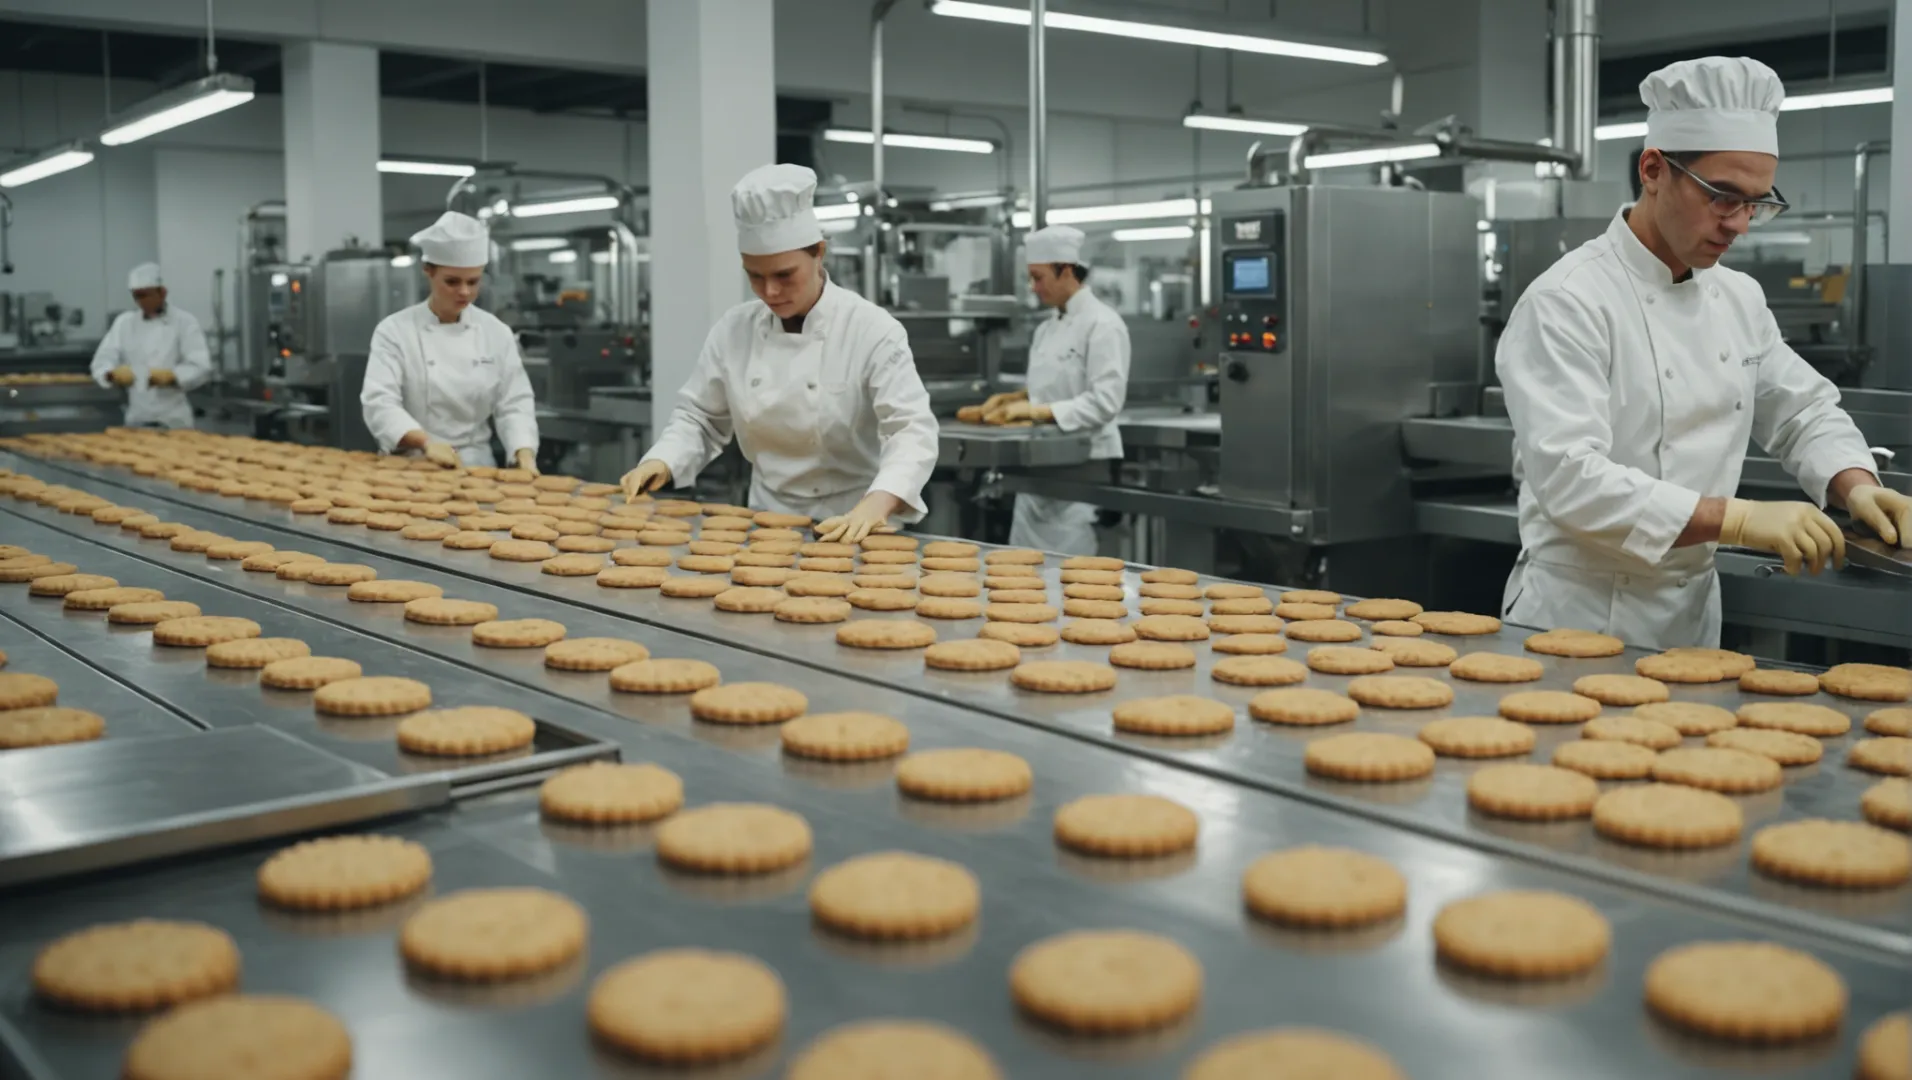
(1253, 267)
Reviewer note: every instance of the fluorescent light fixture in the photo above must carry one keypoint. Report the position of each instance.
(1141, 211)
(837, 211)
(1175, 35)
(1784, 239)
(582, 205)
(911, 142)
(403, 261)
(1242, 124)
(539, 243)
(44, 164)
(1375, 156)
(565, 256)
(601, 258)
(425, 168)
(1155, 232)
(1610, 132)
(831, 228)
(1880, 95)
(968, 202)
(181, 105)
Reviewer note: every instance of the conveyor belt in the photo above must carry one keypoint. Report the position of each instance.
(1381, 985)
(1264, 756)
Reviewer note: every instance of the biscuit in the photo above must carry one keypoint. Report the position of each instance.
(586, 545)
(1250, 644)
(691, 587)
(105, 599)
(1779, 681)
(1094, 609)
(442, 611)
(1532, 792)
(879, 1049)
(958, 585)
(61, 584)
(977, 654)
(430, 530)
(1126, 826)
(748, 703)
(1693, 665)
(895, 895)
(1170, 576)
(1878, 721)
(1154, 656)
(1171, 628)
(734, 838)
(943, 607)
(1522, 934)
(1688, 717)
(845, 736)
(1548, 707)
(1063, 676)
(886, 600)
(1230, 591)
(1092, 562)
(664, 676)
(770, 519)
(154, 530)
(817, 610)
(572, 564)
(373, 695)
(1735, 772)
(889, 558)
(745, 560)
(1094, 592)
(1837, 854)
(1867, 682)
(487, 935)
(640, 557)
(883, 582)
(25, 559)
(632, 577)
(1302, 612)
(1891, 754)
(1606, 760)
(1342, 660)
(818, 585)
(517, 633)
(1248, 624)
(1584, 644)
(237, 549)
(342, 873)
(1258, 671)
(1369, 757)
(1457, 623)
(963, 775)
(706, 564)
(45, 725)
(1381, 610)
(1106, 981)
(1745, 991)
(1027, 613)
(1275, 1053)
(593, 654)
(1257, 605)
(749, 600)
(1024, 635)
(1180, 714)
(1166, 591)
(1634, 729)
(1323, 630)
(337, 573)
(307, 672)
(604, 793)
(138, 965)
(230, 1035)
(1303, 706)
(1621, 689)
(1398, 628)
(347, 515)
(886, 634)
(20, 574)
(1667, 816)
(687, 1006)
(713, 547)
(1015, 557)
(1785, 747)
(199, 631)
(1400, 692)
(1795, 716)
(255, 652)
(391, 592)
(1189, 608)
(963, 565)
(1323, 887)
(1495, 668)
(1477, 737)
(1888, 802)
(816, 565)
(950, 549)
(1408, 652)
(386, 522)
(470, 540)
(765, 577)
(1885, 1048)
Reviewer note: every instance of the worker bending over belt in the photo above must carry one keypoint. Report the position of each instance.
(157, 353)
(1635, 370)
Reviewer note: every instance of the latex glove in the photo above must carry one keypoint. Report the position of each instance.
(997, 401)
(121, 376)
(647, 477)
(1888, 512)
(161, 377)
(1018, 411)
(1795, 531)
(441, 454)
(871, 514)
(527, 459)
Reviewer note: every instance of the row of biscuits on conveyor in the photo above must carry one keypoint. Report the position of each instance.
(1725, 859)
(1453, 943)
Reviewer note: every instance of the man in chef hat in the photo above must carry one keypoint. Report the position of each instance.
(156, 352)
(1636, 369)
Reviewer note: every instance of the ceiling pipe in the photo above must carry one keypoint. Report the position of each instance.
(1576, 89)
(879, 201)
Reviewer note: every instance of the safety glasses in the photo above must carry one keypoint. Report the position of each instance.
(1728, 203)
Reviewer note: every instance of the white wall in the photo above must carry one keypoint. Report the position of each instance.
(200, 194)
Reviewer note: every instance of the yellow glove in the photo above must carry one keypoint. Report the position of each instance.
(647, 477)
(997, 401)
(1888, 512)
(870, 515)
(1795, 531)
(527, 459)
(161, 377)
(121, 376)
(441, 454)
(1018, 411)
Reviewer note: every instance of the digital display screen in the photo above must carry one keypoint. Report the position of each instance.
(1249, 274)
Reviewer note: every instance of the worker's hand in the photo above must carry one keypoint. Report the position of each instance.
(870, 515)
(997, 401)
(1888, 512)
(1795, 531)
(1021, 411)
(649, 475)
(160, 376)
(121, 376)
(441, 454)
(527, 459)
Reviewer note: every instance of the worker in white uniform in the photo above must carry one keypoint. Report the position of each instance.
(157, 353)
(442, 372)
(1078, 380)
(816, 383)
(1636, 369)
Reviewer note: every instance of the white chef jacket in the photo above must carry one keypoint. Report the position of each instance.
(1079, 367)
(451, 381)
(824, 416)
(1632, 397)
(172, 340)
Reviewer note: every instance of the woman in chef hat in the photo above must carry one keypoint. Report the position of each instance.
(443, 372)
(816, 383)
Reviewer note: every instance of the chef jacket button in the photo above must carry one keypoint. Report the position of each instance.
(1739, 406)
(1713, 291)
(756, 381)
(812, 386)
(1650, 299)
(1682, 583)
(1722, 356)
(1669, 373)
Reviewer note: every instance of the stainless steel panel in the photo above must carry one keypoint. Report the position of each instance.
(980, 446)
(82, 686)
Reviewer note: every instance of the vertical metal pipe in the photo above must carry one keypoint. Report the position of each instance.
(1038, 115)
(1577, 81)
(1861, 240)
(873, 266)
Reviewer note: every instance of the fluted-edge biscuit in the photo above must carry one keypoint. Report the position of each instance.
(376, 695)
(687, 1006)
(488, 935)
(895, 895)
(1063, 676)
(1400, 692)
(45, 725)
(1667, 816)
(1532, 792)
(976, 654)
(607, 793)
(815, 610)
(1606, 760)
(1785, 747)
(1323, 630)
(1152, 655)
(1180, 714)
(1258, 671)
(1342, 660)
(1836, 854)
(1250, 644)
(963, 775)
(734, 838)
(1369, 757)
(1890, 754)
(307, 672)
(1495, 668)
(593, 653)
(443, 611)
(886, 634)
(1688, 717)
(343, 873)
(1022, 635)
(1522, 934)
(137, 965)
(1745, 991)
(664, 676)
(1106, 981)
(1126, 826)
(1796, 716)
(1304, 706)
(1548, 707)
(748, 703)
(1477, 737)
(255, 652)
(1411, 651)
(1324, 887)
(1888, 803)
(199, 631)
(845, 736)
(1574, 643)
(1383, 610)
(1633, 729)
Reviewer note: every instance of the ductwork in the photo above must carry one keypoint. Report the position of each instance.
(1576, 82)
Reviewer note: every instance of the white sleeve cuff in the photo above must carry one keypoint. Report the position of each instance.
(896, 482)
(1668, 509)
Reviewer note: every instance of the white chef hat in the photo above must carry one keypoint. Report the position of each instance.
(1713, 103)
(145, 276)
(455, 239)
(1054, 244)
(773, 208)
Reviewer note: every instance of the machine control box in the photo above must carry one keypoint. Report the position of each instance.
(1253, 269)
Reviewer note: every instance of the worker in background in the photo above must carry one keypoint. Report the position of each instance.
(1636, 369)
(816, 383)
(441, 373)
(157, 353)
(1078, 380)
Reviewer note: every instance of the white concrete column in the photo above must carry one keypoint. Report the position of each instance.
(712, 118)
(331, 148)
(1899, 208)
